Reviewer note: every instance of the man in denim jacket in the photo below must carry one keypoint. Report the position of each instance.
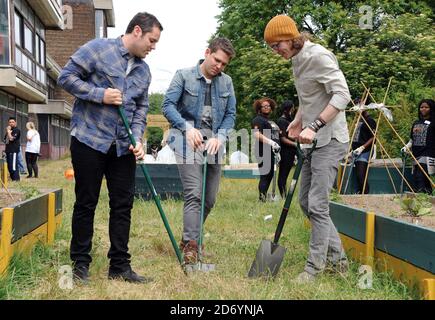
(201, 107)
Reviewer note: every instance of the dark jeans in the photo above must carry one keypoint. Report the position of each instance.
(12, 160)
(32, 165)
(361, 170)
(285, 166)
(421, 182)
(266, 179)
(89, 168)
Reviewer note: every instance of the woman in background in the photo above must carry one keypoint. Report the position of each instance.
(32, 149)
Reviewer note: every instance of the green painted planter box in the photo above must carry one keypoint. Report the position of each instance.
(407, 242)
(166, 181)
(241, 172)
(378, 179)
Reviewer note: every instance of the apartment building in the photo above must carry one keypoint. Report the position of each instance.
(37, 37)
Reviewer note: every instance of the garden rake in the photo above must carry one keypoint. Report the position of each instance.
(270, 254)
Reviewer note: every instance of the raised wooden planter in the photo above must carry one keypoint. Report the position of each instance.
(378, 178)
(27, 223)
(3, 173)
(165, 178)
(241, 171)
(407, 250)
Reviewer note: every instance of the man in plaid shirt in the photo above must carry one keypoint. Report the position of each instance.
(102, 75)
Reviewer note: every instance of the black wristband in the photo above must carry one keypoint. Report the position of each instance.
(313, 126)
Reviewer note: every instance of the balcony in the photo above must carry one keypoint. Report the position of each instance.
(58, 107)
(18, 84)
(49, 11)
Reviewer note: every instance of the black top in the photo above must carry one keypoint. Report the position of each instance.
(13, 146)
(423, 139)
(268, 128)
(363, 134)
(283, 124)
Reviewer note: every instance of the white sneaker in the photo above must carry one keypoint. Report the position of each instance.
(304, 277)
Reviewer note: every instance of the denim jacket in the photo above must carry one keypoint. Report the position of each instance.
(184, 101)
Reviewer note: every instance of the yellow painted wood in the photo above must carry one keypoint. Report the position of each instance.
(51, 221)
(429, 289)
(5, 239)
(401, 270)
(26, 243)
(354, 248)
(370, 239)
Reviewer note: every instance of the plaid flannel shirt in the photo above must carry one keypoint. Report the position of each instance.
(96, 66)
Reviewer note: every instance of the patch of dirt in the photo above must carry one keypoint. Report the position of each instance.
(6, 199)
(385, 205)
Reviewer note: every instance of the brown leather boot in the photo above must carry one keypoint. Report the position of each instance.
(190, 251)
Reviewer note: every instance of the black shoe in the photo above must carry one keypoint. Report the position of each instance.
(129, 276)
(28, 177)
(81, 274)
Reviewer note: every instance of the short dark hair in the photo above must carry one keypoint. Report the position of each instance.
(223, 44)
(146, 21)
(12, 118)
(287, 105)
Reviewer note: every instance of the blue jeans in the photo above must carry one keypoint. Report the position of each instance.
(21, 166)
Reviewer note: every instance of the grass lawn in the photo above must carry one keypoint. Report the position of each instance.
(233, 233)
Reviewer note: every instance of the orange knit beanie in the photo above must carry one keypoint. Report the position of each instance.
(280, 28)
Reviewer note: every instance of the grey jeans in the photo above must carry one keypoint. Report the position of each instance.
(317, 178)
(191, 178)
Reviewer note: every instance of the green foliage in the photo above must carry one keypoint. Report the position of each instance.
(400, 45)
(416, 206)
(28, 191)
(155, 135)
(155, 101)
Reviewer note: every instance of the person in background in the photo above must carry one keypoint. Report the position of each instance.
(422, 145)
(266, 134)
(288, 146)
(12, 141)
(361, 146)
(32, 149)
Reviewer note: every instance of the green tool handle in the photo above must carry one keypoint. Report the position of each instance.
(151, 187)
(288, 199)
(204, 181)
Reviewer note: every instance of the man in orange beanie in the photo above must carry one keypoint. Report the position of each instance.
(323, 96)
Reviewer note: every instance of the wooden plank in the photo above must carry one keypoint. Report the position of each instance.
(26, 243)
(241, 174)
(349, 221)
(165, 178)
(29, 215)
(51, 222)
(59, 198)
(405, 241)
(378, 180)
(5, 238)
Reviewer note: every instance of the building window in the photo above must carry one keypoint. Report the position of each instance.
(29, 42)
(99, 24)
(51, 83)
(4, 33)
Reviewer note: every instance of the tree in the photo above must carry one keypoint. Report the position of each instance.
(399, 44)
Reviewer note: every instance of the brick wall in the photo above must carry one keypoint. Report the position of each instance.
(62, 44)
